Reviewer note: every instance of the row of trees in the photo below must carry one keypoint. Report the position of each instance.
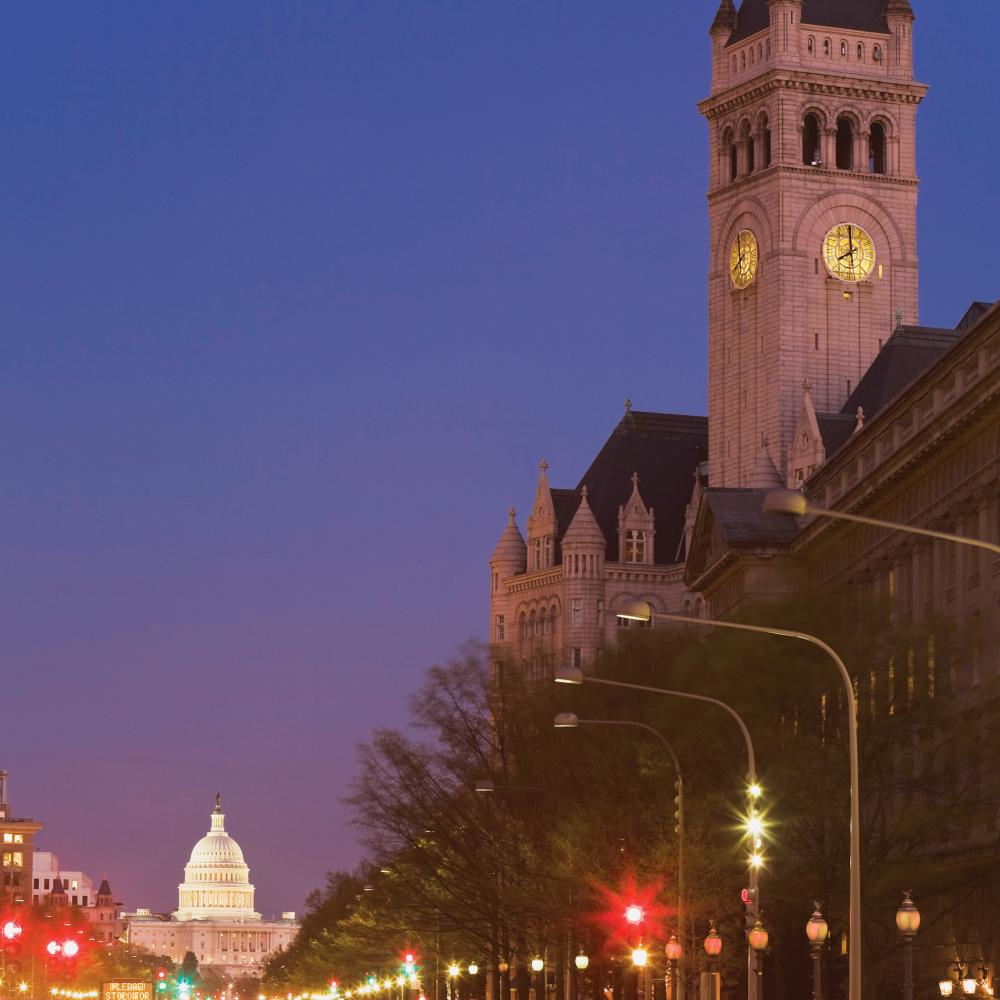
(582, 822)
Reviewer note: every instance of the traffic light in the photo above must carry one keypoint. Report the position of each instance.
(161, 980)
(749, 897)
(11, 930)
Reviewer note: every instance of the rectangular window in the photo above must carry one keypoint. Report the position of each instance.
(84, 901)
(36, 884)
(600, 613)
(577, 610)
(18, 838)
(74, 901)
(635, 546)
(46, 884)
(576, 656)
(8, 838)
(501, 630)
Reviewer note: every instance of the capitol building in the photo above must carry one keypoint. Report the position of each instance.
(215, 918)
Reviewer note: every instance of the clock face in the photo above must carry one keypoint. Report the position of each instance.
(743, 259)
(849, 252)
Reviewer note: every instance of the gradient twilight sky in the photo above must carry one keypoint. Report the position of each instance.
(295, 297)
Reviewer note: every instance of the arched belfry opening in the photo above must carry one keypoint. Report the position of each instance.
(811, 155)
(877, 154)
(845, 143)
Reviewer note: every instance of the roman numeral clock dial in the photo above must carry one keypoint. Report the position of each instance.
(743, 259)
(849, 252)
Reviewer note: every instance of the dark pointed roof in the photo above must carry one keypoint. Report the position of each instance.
(104, 889)
(835, 429)
(725, 17)
(665, 450)
(57, 887)
(859, 15)
(907, 354)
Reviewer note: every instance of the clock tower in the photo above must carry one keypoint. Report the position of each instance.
(812, 212)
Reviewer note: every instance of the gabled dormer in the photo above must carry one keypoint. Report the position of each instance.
(806, 452)
(543, 525)
(636, 528)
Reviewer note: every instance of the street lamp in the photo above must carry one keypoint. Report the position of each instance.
(817, 931)
(795, 503)
(537, 964)
(908, 922)
(758, 938)
(640, 957)
(582, 961)
(642, 611)
(674, 952)
(713, 948)
(568, 720)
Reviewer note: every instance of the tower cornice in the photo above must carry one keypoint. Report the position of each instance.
(811, 83)
(814, 174)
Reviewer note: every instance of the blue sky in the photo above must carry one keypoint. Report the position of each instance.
(296, 295)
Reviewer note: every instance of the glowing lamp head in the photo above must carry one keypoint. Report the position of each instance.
(907, 917)
(817, 930)
(639, 957)
(473, 969)
(758, 936)
(713, 943)
(22, 987)
(755, 791)
(408, 958)
(569, 675)
(453, 970)
(634, 914)
(946, 987)
(968, 986)
(756, 860)
(674, 950)
(11, 930)
(53, 948)
(581, 961)
(755, 826)
(537, 964)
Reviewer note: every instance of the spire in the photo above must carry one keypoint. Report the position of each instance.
(104, 889)
(218, 802)
(584, 530)
(725, 18)
(764, 476)
(511, 548)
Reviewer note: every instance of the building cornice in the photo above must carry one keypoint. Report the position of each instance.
(537, 578)
(774, 81)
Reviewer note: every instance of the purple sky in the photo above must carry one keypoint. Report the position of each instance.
(295, 296)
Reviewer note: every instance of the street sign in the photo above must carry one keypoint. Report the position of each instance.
(127, 989)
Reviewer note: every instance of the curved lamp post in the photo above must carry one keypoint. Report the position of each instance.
(574, 675)
(642, 611)
(568, 720)
(817, 931)
(795, 503)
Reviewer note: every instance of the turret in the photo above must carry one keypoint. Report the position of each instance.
(786, 19)
(722, 28)
(583, 549)
(104, 896)
(899, 18)
(510, 557)
(764, 474)
(542, 524)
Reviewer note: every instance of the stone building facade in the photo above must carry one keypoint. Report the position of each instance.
(820, 379)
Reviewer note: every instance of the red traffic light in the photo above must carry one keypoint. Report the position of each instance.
(161, 974)
(53, 947)
(70, 949)
(634, 914)
(11, 930)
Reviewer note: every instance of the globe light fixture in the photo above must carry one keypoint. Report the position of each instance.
(70, 949)
(453, 970)
(11, 930)
(53, 948)
(755, 791)
(581, 961)
(758, 936)
(673, 950)
(907, 916)
(502, 967)
(634, 914)
(713, 943)
(639, 957)
(537, 964)
(817, 929)
(473, 969)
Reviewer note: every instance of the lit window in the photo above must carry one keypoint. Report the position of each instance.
(18, 838)
(635, 546)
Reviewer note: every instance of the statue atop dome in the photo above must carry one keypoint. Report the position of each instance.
(218, 802)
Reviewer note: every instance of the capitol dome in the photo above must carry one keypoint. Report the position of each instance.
(216, 882)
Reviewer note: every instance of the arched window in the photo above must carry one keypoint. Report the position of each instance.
(734, 64)
(811, 155)
(760, 52)
(877, 53)
(811, 45)
(747, 140)
(845, 143)
(861, 52)
(729, 151)
(768, 48)
(552, 619)
(743, 60)
(751, 55)
(764, 133)
(843, 50)
(522, 626)
(876, 157)
(827, 47)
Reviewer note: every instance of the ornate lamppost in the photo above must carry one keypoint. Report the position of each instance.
(817, 931)
(710, 984)
(908, 922)
(674, 952)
